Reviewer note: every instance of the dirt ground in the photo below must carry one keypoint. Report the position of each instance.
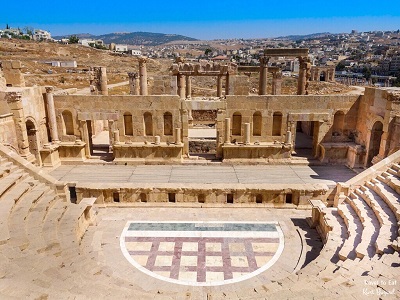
(34, 56)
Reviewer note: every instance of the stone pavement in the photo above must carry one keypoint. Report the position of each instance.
(112, 225)
(211, 174)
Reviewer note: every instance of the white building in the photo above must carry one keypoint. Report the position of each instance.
(136, 52)
(121, 48)
(91, 42)
(40, 35)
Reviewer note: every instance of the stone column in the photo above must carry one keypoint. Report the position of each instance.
(219, 86)
(103, 81)
(247, 133)
(262, 87)
(52, 114)
(134, 85)
(276, 83)
(143, 76)
(227, 131)
(304, 75)
(178, 136)
(181, 86)
(14, 100)
(85, 137)
(116, 137)
(288, 137)
(110, 131)
(227, 85)
(188, 87)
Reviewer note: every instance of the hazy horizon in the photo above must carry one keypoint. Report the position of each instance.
(204, 21)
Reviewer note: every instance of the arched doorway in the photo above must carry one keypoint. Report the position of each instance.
(32, 139)
(375, 141)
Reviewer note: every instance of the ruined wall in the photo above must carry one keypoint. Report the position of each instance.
(303, 105)
(160, 85)
(8, 134)
(34, 110)
(2, 79)
(110, 107)
(12, 73)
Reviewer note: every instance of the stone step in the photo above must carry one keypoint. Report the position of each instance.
(34, 221)
(388, 223)
(336, 237)
(50, 224)
(9, 181)
(387, 194)
(354, 229)
(7, 169)
(19, 214)
(396, 167)
(370, 226)
(392, 181)
(7, 202)
(394, 172)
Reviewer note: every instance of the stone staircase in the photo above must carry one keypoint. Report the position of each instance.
(43, 256)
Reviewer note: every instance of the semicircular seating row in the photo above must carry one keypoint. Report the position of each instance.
(42, 255)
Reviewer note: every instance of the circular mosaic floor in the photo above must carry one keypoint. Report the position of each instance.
(202, 253)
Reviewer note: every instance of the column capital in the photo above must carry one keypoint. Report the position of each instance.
(142, 60)
(49, 89)
(264, 61)
(133, 75)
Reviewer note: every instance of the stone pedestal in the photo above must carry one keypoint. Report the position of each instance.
(50, 156)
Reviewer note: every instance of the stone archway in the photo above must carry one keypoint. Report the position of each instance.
(375, 141)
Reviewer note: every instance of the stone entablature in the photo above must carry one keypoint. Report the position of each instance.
(204, 68)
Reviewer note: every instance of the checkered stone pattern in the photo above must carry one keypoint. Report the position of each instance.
(197, 259)
(201, 259)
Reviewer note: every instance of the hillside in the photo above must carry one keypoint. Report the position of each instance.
(135, 38)
(33, 56)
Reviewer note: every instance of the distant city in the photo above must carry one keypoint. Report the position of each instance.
(372, 56)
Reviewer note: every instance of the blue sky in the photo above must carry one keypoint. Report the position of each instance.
(203, 19)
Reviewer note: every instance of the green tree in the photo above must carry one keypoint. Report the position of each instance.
(340, 66)
(73, 39)
(208, 51)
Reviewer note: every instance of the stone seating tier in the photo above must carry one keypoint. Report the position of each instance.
(43, 257)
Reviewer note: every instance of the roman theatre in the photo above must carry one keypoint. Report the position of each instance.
(161, 194)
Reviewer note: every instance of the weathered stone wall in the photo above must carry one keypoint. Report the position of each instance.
(239, 85)
(12, 73)
(114, 107)
(202, 146)
(2, 79)
(160, 85)
(34, 110)
(8, 134)
(306, 106)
